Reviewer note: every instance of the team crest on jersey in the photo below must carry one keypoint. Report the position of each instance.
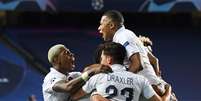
(52, 80)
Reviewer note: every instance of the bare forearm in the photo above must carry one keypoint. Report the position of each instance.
(135, 64)
(134, 68)
(155, 63)
(69, 86)
(75, 84)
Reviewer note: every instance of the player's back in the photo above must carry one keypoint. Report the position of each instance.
(120, 85)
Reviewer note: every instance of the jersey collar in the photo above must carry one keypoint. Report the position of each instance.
(118, 67)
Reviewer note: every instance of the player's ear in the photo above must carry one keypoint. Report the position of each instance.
(109, 60)
(55, 60)
(112, 25)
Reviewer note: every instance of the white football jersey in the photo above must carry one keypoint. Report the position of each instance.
(133, 45)
(120, 85)
(73, 75)
(50, 79)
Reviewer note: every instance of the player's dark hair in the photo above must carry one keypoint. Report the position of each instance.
(116, 51)
(98, 52)
(115, 16)
(97, 55)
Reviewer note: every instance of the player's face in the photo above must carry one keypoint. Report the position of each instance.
(66, 59)
(105, 28)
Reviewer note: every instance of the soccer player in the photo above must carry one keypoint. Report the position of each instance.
(56, 85)
(112, 29)
(121, 85)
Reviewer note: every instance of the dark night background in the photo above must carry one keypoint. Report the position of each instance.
(26, 36)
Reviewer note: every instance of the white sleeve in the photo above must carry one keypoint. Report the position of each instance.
(148, 91)
(73, 75)
(131, 48)
(50, 83)
(90, 85)
(129, 42)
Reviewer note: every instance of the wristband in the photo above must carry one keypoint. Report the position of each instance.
(85, 76)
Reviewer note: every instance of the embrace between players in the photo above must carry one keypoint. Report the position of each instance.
(126, 69)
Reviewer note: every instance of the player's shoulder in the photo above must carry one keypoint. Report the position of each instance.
(124, 36)
(127, 31)
(98, 76)
(49, 75)
(137, 76)
(48, 80)
(54, 75)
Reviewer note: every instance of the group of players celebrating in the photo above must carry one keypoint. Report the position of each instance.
(125, 69)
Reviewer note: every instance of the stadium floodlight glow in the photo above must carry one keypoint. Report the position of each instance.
(97, 4)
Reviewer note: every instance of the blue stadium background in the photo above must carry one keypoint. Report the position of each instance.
(26, 36)
(177, 49)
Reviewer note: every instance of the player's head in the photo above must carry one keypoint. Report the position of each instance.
(110, 22)
(115, 17)
(113, 53)
(97, 55)
(61, 58)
